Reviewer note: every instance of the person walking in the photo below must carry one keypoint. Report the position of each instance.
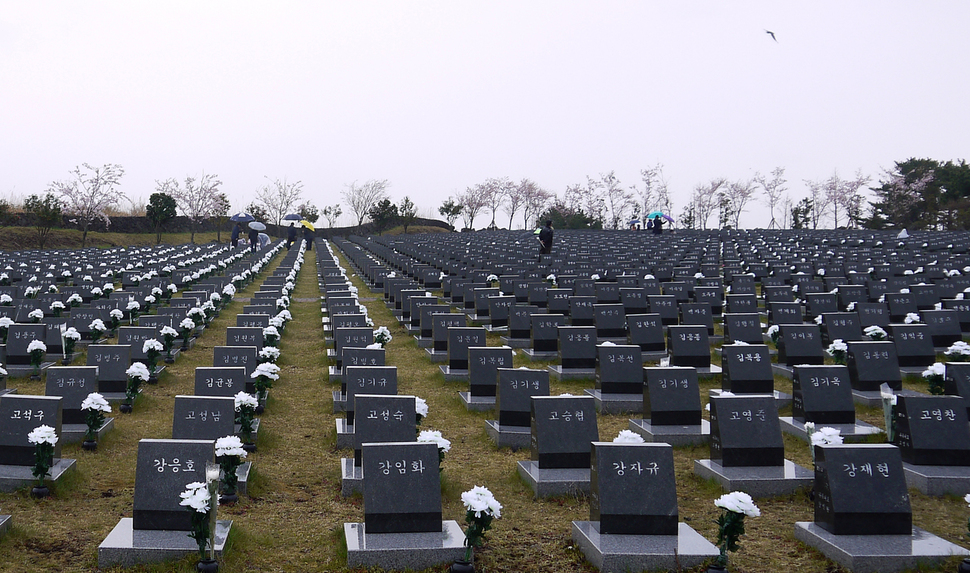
(308, 237)
(253, 240)
(234, 239)
(290, 236)
(545, 239)
(658, 225)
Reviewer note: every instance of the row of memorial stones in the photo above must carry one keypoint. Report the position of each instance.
(105, 373)
(158, 523)
(747, 448)
(737, 442)
(612, 254)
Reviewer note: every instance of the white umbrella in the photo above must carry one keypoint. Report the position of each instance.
(257, 226)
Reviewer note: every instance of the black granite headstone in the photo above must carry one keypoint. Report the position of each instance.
(225, 381)
(957, 381)
(20, 414)
(860, 489)
(742, 327)
(745, 432)
(632, 489)
(163, 469)
(259, 321)
(516, 386)
(671, 396)
(203, 417)
(459, 341)
(932, 430)
(402, 488)
(232, 356)
(383, 418)
(577, 347)
(73, 384)
(19, 336)
(747, 369)
(112, 361)
(872, 364)
(822, 395)
(620, 369)
(563, 427)
(647, 332)
(914, 345)
(800, 344)
(545, 332)
(689, 346)
(483, 365)
(244, 336)
(375, 380)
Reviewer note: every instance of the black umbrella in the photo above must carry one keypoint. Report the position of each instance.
(242, 217)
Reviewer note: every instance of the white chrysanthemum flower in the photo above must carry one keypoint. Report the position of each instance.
(230, 446)
(628, 437)
(738, 502)
(138, 370)
(435, 437)
(95, 401)
(36, 345)
(43, 434)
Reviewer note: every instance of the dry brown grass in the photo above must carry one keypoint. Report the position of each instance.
(293, 518)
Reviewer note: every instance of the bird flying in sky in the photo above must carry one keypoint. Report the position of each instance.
(772, 34)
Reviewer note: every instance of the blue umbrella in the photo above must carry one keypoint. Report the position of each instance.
(292, 217)
(242, 217)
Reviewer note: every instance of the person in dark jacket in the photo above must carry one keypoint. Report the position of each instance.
(658, 225)
(235, 234)
(290, 236)
(308, 237)
(253, 240)
(545, 239)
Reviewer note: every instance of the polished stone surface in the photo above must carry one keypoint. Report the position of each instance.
(436, 356)
(883, 553)
(673, 435)
(616, 403)
(477, 403)
(560, 373)
(873, 399)
(515, 437)
(403, 551)
(74, 433)
(757, 481)
(351, 477)
(552, 482)
(938, 480)
(345, 434)
(13, 478)
(127, 547)
(622, 553)
(453, 375)
(781, 398)
(858, 432)
(339, 402)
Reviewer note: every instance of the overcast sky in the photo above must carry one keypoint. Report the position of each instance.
(438, 96)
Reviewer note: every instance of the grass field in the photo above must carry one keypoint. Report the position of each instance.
(293, 517)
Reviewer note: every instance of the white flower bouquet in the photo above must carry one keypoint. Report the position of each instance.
(481, 508)
(435, 437)
(730, 524)
(94, 408)
(44, 439)
(382, 336)
(837, 350)
(229, 456)
(934, 376)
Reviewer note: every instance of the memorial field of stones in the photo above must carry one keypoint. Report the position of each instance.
(713, 357)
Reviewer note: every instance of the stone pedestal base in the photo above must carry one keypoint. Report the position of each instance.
(436, 356)
(453, 375)
(477, 403)
(515, 437)
(621, 553)
(352, 477)
(334, 374)
(552, 482)
(424, 342)
(127, 547)
(339, 402)
(560, 373)
(858, 432)
(403, 551)
(515, 342)
(4, 525)
(781, 399)
(73, 433)
(757, 481)
(539, 356)
(24, 370)
(873, 399)
(345, 434)
(616, 403)
(938, 480)
(673, 435)
(884, 553)
(13, 478)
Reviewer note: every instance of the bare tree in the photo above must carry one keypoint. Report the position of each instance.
(535, 200)
(704, 200)
(738, 193)
(773, 190)
(494, 190)
(361, 198)
(197, 199)
(331, 213)
(472, 200)
(616, 199)
(89, 194)
(845, 193)
(821, 200)
(516, 196)
(649, 194)
(220, 212)
(279, 197)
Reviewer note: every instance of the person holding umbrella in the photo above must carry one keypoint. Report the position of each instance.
(254, 228)
(545, 239)
(234, 239)
(308, 233)
(658, 225)
(239, 219)
(290, 235)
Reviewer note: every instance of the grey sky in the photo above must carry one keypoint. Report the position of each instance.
(438, 96)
